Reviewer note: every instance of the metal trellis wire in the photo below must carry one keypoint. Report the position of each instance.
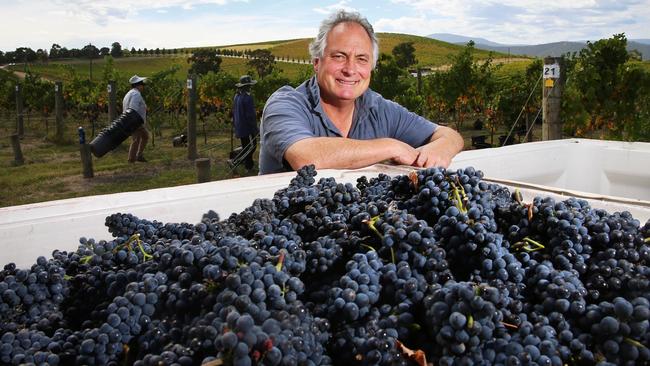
(522, 110)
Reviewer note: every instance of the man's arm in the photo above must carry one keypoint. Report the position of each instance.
(444, 144)
(345, 153)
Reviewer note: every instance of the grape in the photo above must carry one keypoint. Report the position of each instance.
(325, 273)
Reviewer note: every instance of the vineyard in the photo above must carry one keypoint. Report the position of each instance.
(491, 102)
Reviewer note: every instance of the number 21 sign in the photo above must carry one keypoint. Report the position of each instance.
(551, 71)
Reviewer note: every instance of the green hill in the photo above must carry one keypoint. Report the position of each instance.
(428, 51)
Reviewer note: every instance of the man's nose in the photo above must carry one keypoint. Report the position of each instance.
(349, 67)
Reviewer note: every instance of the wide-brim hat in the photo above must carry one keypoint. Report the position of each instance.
(245, 80)
(135, 79)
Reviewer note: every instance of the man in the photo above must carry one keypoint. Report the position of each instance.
(334, 121)
(244, 120)
(133, 99)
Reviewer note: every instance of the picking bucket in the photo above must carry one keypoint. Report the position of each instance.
(118, 131)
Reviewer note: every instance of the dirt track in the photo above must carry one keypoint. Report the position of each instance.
(21, 75)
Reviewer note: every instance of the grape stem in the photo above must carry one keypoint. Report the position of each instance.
(459, 196)
(278, 267)
(526, 243)
(135, 238)
(634, 342)
(371, 225)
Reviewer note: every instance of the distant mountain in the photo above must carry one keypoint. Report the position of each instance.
(554, 49)
(458, 39)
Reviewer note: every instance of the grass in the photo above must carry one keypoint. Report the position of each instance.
(54, 171)
(428, 51)
(126, 66)
(58, 71)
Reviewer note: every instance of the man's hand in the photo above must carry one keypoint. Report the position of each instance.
(403, 153)
(445, 143)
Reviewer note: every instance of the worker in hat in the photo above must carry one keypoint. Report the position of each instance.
(244, 119)
(133, 99)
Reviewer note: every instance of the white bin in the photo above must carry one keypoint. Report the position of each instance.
(544, 168)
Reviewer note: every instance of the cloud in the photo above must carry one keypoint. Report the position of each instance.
(522, 21)
(326, 10)
(165, 23)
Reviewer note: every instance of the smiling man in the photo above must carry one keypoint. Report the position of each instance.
(333, 120)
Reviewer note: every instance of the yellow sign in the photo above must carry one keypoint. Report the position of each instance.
(548, 83)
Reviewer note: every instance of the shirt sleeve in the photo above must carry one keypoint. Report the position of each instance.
(285, 121)
(405, 125)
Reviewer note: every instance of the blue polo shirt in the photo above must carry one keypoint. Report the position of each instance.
(291, 115)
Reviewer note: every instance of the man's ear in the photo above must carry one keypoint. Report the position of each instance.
(315, 63)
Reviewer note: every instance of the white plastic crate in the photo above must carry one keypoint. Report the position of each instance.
(544, 169)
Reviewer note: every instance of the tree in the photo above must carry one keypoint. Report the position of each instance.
(404, 54)
(2, 58)
(25, 54)
(465, 87)
(262, 61)
(55, 51)
(609, 90)
(90, 51)
(133, 51)
(116, 50)
(204, 61)
(388, 78)
(104, 51)
(41, 55)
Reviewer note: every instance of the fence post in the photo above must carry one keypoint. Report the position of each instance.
(18, 153)
(112, 100)
(202, 170)
(552, 98)
(191, 117)
(20, 126)
(58, 107)
(86, 157)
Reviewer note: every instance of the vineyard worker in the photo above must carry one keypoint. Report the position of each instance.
(333, 120)
(133, 99)
(244, 119)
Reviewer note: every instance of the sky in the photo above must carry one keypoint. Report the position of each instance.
(193, 23)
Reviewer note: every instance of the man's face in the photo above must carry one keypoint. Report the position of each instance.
(344, 70)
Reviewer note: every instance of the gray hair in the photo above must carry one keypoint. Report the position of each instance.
(318, 45)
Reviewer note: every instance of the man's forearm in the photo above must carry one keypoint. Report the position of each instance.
(450, 138)
(345, 153)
